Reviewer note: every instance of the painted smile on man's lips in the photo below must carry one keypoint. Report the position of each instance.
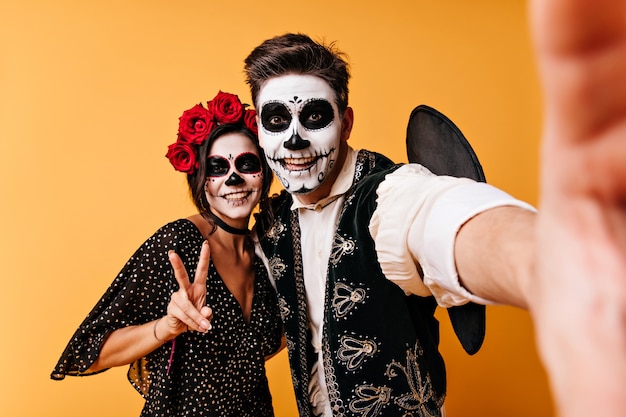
(300, 163)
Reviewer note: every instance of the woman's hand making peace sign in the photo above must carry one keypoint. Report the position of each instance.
(187, 309)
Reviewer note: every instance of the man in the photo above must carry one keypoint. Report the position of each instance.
(358, 244)
(351, 223)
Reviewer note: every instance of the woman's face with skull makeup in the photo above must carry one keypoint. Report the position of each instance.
(300, 131)
(234, 177)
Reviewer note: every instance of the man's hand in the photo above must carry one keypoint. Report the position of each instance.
(579, 306)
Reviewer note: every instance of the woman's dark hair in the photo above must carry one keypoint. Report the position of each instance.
(295, 53)
(197, 180)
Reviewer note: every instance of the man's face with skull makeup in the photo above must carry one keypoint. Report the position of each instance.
(300, 131)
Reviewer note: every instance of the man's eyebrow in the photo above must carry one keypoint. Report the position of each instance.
(273, 105)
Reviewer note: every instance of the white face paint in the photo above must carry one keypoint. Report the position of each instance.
(234, 178)
(300, 130)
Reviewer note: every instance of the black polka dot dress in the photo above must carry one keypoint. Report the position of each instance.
(219, 373)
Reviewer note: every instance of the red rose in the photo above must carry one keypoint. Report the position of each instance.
(195, 124)
(182, 156)
(226, 107)
(249, 119)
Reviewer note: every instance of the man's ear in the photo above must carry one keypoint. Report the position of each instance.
(346, 123)
(258, 123)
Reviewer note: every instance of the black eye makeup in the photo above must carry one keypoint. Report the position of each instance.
(275, 117)
(245, 163)
(316, 114)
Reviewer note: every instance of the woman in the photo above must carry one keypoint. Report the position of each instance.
(194, 348)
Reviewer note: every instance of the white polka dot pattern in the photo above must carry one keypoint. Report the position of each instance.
(220, 373)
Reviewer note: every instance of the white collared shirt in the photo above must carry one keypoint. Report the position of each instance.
(416, 220)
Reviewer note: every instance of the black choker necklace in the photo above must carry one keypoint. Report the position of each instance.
(224, 226)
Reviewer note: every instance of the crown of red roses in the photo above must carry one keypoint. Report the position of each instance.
(196, 124)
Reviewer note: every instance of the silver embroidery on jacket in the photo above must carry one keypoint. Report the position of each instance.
(419, 383)
(353, 352)
(370, 400)
(345, 298)
(283, 308)
(275, 231)
(341, 246)
(334, 396)
(277, 267)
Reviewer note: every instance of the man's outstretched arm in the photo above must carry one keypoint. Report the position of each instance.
(567, 264)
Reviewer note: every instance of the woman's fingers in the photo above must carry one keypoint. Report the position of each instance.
(179, 270)
(202, 270)
(208, 313)
(188, 303)
(183, 309)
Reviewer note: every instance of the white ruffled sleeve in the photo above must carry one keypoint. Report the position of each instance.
(415, 224)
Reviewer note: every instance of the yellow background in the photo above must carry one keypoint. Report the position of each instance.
(90, 94)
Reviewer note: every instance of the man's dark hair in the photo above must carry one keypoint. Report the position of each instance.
(298, 54)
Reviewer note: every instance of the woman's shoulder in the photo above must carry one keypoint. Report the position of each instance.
(177, 232)
(200, 223)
